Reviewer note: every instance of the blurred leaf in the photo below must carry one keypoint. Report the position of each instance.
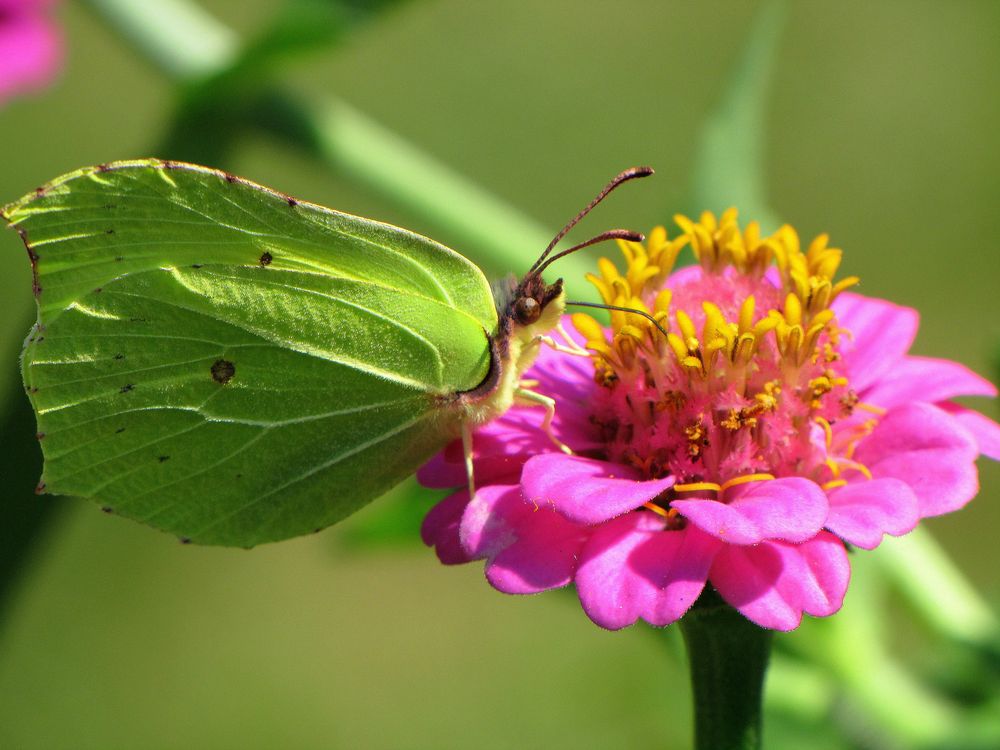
(25, 515)
(393, 521)
(729, 163)
(216, 109)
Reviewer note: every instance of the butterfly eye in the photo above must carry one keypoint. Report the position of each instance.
(527, 310)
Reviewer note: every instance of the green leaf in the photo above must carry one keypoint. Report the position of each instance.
(234, 366)
(729, 164)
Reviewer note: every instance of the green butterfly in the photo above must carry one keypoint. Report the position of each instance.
(229, 364)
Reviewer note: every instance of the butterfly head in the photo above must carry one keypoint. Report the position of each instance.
(530, 303)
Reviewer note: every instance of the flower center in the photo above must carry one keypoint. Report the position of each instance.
(748, 379)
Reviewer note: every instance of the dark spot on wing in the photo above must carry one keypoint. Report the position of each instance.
(126, 388)
(99, 290)
(161, 459)
(223, 371)
(266, 258)
(197, 265)
(40, 488)
(107, 509)
(184, 539)
(119, 356)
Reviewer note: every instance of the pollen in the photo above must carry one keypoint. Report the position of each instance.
(741, 378)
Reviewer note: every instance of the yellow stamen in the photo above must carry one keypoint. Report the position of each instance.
(698, 487)
(827, 430)
(833, 484)
(871, 407)
(745, 478)
(660, 511)
(857, 466)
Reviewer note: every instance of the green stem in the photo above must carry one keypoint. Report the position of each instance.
(728, 656)
(369, 154)
(941, 593)
(189, 45)
(179, 37)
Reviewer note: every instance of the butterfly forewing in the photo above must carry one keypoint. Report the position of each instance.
(226, 363)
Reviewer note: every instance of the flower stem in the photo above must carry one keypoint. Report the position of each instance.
(728, 656)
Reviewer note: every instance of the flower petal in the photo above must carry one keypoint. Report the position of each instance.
(790, 508)
(984, 430)
(527, 551)
(631, 568)
(926, 379)
(864, 512)
(586, 490)
(499, 450)
(881, 334)
(773, 583)
(930, 451)
(440, 529)
(31, 51)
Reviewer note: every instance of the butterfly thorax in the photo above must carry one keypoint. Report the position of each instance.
(525, 310)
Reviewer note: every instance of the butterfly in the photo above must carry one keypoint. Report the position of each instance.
(227, 363)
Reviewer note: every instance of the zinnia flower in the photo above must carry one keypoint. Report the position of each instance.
(30, 46)
(766, 421)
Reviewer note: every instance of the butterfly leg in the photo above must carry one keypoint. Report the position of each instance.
(467, 450)
(532, 397)
(570, 347)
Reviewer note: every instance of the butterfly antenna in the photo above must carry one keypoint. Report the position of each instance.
(612, 234)
(628, 174)
(600, 306)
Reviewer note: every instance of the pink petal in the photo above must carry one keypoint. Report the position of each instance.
(30, 53)
(984, 430)
(631, 568)
(926, 379)
(864, 512)
(930, 451)
(499, 450)
(881, 334)
(773, 583)
(527, 550)
(440, 529)
(790, 508)
(586, 490)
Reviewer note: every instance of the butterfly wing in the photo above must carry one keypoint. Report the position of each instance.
(231, 365)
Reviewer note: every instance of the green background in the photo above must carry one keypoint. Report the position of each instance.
(882, 132)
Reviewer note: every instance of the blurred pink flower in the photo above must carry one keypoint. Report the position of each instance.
(30, 46)
(780, 419)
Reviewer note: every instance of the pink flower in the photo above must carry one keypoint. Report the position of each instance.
(30, 46)
(778, 421)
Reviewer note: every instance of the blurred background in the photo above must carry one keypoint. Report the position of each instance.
(880, 130)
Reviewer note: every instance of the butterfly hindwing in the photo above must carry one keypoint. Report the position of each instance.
(231, 365)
